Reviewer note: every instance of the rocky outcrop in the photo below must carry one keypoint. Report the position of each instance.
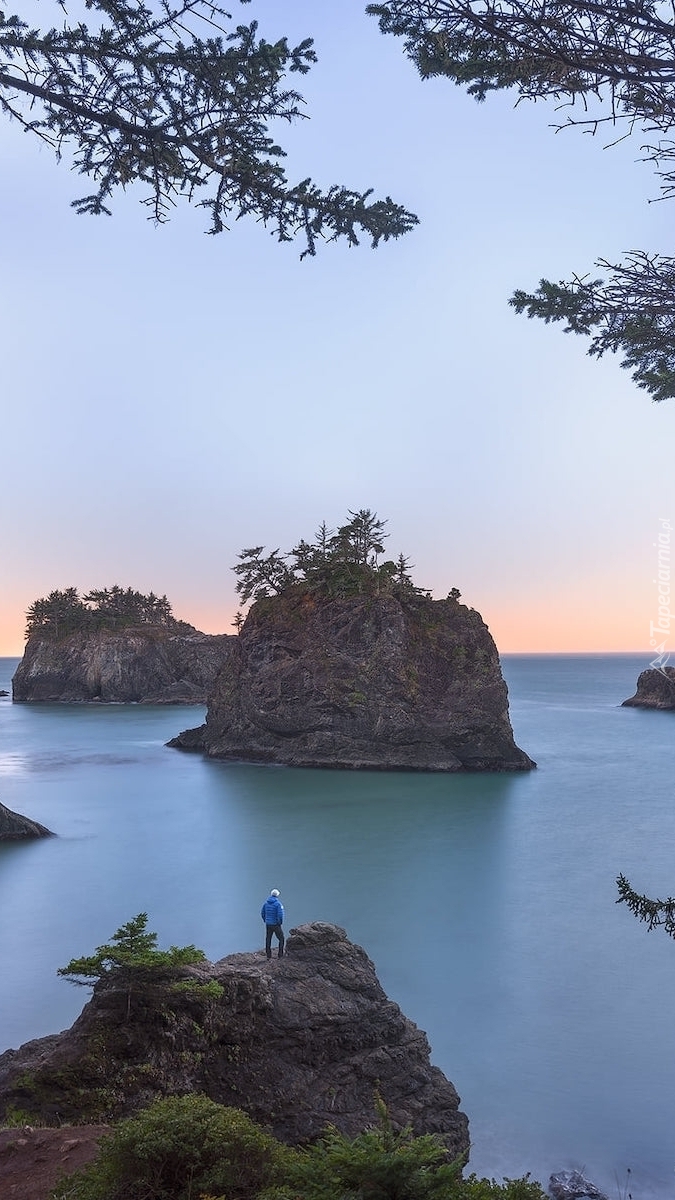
(298, 1043)
(147, 664)
(655, 689)
(15, 828)
(363, 682)
(573, 1185)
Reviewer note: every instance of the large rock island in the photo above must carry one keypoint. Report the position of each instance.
(655, 689)
(298, 1043)
(397, 682)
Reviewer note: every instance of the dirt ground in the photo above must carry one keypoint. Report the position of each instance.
(33, 1160)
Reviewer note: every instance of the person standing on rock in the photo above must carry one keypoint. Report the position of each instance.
(272, 913)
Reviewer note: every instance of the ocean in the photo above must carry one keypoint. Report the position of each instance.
(486, 902)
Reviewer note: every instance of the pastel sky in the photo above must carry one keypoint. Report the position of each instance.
(169, 397)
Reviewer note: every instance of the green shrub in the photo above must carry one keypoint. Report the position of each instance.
(379, 1164)
(525, 1188)
(180, 1149)
(383, 1164)
(189, 1148)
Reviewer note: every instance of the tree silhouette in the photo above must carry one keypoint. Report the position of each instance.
(653, 912)
(174, 97)
(336, 564)
(62, 613)
(608, 65)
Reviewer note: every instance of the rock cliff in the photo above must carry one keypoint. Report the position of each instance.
(298, 1043)
(14, 827)
(362, 682)
(655, 689)
(148, 664)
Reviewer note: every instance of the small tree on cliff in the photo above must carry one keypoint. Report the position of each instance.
(653, 912)
(258, 575)
(131, 960)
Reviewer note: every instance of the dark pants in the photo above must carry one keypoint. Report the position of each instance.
(279, 933)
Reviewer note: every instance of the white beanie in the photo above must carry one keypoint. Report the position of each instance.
(274, 892)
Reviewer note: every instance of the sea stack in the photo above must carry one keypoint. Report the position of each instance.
(655, 689)
(377, 681)
(15, 828)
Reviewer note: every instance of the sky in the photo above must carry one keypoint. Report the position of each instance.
(169, 397)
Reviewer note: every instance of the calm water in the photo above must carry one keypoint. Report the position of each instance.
(486, 902)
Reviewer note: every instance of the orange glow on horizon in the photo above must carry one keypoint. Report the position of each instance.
(527, 629)
(563, 633)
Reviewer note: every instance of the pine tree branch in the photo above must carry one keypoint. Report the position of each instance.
(607, 63)
(653, 913)
(144, 98)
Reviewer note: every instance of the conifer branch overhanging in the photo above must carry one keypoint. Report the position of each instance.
(146, 97)
(609, 67)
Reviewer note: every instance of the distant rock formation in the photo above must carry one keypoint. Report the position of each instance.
(144, 664)
(361, 682)
(14, 827)
(655, 689)
(298, 1043)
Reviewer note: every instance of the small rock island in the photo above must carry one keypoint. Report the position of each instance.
(343, 662)
(655, 689)
(16, 828)
(115, 646)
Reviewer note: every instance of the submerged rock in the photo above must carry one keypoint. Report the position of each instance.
(362, 682)
(655, 689)
(298, 1043)
(150, 665)
(14, 827)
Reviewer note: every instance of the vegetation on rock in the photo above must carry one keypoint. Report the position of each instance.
(64, 612)
(344, 662)
(338, 563)
(189, 1146)
(131, 959)
(380, 1163)
(178, 1149)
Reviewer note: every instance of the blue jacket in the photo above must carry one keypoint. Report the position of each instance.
(272, 911)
